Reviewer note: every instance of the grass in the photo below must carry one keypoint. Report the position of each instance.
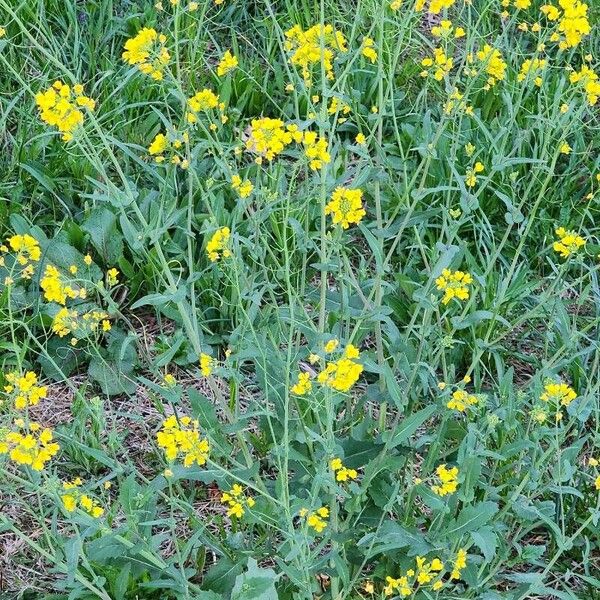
(172, 334)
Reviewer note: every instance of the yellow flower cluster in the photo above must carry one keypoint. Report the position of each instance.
(472, 172)
(588, 80)
(345, 206)
(460, 562)
(315, 149)
(56, 290)
(342, 473)
(448, 481)
(368, 49)
(343, 373)
(217, 246)
(70, 321)
(318, 44)
(24, 389)
(338, 106)
(75, 498)
(445, 30)
(180, 438)
(303, 385)
(435, 6)
(426, 573)
(455, 102)
(171, 143)
(60, 106)
(24, 251)
(203, 101)
(440, 65)
(227, 64)
(243, 187)
(454, 284)
(568, 243)
(461, 400)
(559, 394)
(268, 138)
(148, 52)
(573, 24)
(318, 519)
(207, 364)
(31, 445)
(490, 61)
(532, 68)
(237, 501)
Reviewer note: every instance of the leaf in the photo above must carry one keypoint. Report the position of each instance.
(221, 577)
(101, 225)
(392, 536)
(471, 518)
(408, 426)
(487, 541)
(255, 584)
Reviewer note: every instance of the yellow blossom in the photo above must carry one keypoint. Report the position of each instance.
(147, 51)
(345, 207)
(227, 63)
(180, 439)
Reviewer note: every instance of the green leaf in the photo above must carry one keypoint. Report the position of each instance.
(487, 541)
(392, 536)
(101, 225)
(255, 584)
(408, 426)
(471, 518)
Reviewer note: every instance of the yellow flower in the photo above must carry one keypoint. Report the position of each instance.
(268, 137)
(588, 81)
(461, 400)
(75, 498)
(26, 247)
(573, 24)
(597, 483)
(558, 394)
(169, 380)
(532, 68)
(315, 149)
(60, 106)
(303, 385)
(368, 50)
(448, 481)
(439, 65)
(148, 52)
(56, 290)
(568, 243)
(112, 277)
(565, 148)
(24, 389)
(345, 207)
(218, 245)
(454, 284)
(180, 439)
(318, 519)
(343, 373)
(207, 364)
(227, 64)
(459, 564)
(243, 187)
(29, 445)
(342, 473)
(490, 62)
(315, 46)
(237, 501)
(202, 101)
(331, 345)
